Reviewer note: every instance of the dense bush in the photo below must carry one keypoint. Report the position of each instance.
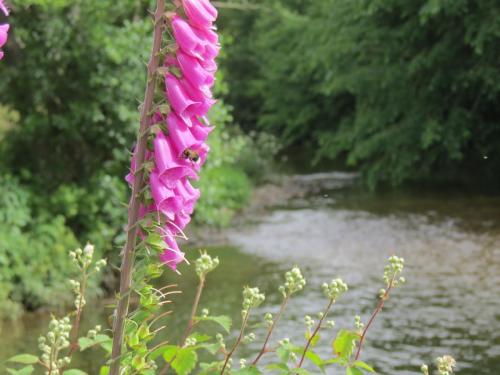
(404, 90)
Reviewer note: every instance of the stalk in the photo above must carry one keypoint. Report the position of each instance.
(372, 318)
(264, 349)
(133, 211)
(315, 332)
(237, 343)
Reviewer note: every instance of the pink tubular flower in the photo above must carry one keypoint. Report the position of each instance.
(178, 148)
(4, 29)
(200, 12)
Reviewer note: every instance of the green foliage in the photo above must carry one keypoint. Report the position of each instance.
(402, 90)
(222, 184)
(62, 339)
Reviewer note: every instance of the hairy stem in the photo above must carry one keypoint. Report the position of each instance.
(133, 212)
(237, 343)
(372, 318)
(264, 349)
(315, 332)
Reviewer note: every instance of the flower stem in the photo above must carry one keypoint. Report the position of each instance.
(191, 321)
(264, 349)
(76, 326)
(237, 343)
(372, 318)
(133, 212)
(315, 332)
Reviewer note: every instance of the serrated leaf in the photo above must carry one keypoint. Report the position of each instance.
(74, 372)
(353, 371)
(185, 361)
(343, 345)
(25, 359)
(364, 366)
(222, 320)
(167, 351)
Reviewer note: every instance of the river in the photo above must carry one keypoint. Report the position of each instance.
(333, 228)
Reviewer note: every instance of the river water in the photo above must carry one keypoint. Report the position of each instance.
(449, 305)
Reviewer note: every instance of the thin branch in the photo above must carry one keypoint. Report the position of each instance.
(133, 214)
(264, 349)
(372, 318)
(237, 343)
(315, 332)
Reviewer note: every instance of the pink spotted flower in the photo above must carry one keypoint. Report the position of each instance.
(179, 149)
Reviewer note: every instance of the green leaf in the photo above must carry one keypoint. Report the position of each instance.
(364, 366)
(299, 371)
(185, 361)
(252, 370)
(343, 345)
(25, 359)
(167, 351)
(104, 370)
(278, 366)
(154, 240)
(353, 371)
(199, 337)
(100, 339)
(283, 354)
(315, 339)
(24, 371)
(224, 321)
(211, 348)
(74, 372)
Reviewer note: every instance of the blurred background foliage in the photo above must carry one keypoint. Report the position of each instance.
(403, 91)
(69, 98)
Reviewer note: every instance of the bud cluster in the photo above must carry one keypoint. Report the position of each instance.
(335, 289)
(205, 264)
(424, 369)
(252, 297)
(83, 258)
(294, 282)
(91, 334)
(249, 338)
(190, 341)
(56, 339)
(309, 321)
(268, 319)
(220, 341)
(445, 365)
(393, 270)
(358, 323)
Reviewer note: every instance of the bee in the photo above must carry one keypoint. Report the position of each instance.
(191, 155)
